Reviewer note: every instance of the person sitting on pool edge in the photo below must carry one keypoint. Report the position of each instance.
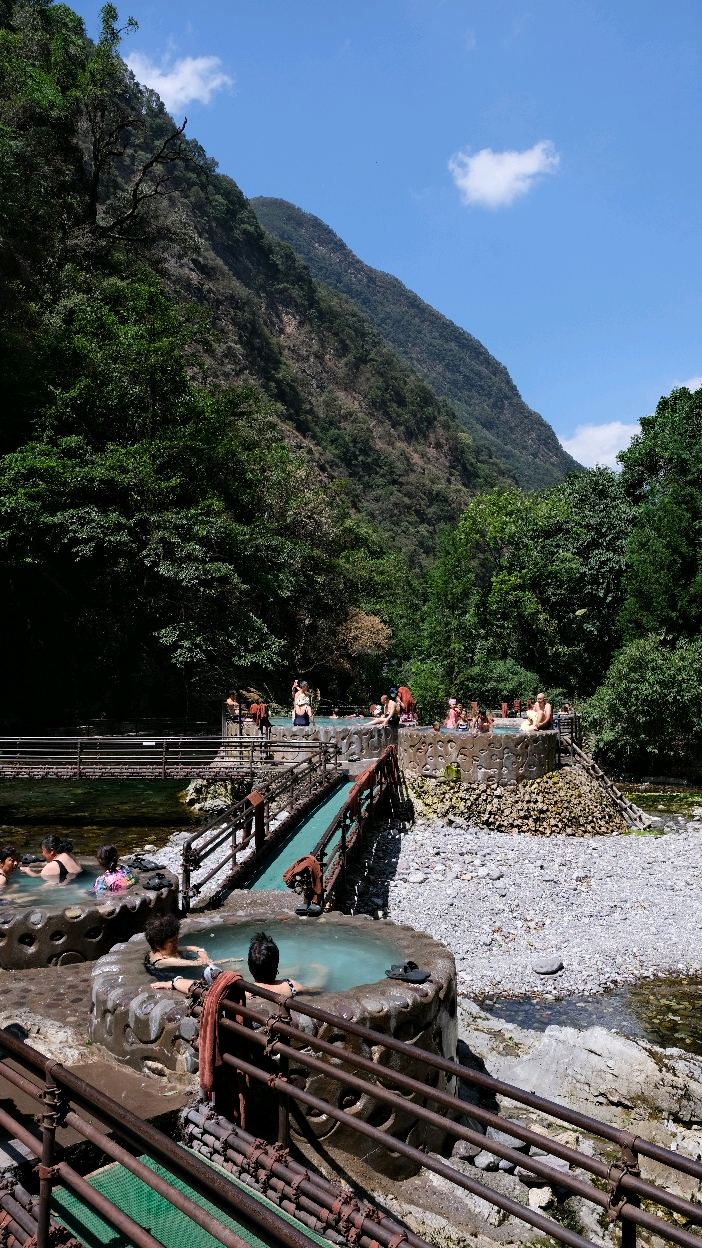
(9, 862)
(264, 960)
(59, 862)
(114, 879)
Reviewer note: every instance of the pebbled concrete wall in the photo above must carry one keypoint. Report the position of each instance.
(357, 739)
(492, 758)
(57, 935)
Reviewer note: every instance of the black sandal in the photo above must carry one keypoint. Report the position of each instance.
(409, 972)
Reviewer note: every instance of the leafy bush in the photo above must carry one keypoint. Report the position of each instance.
(648, 707)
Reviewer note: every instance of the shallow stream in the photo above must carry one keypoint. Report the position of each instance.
(667, 1012)
(129, 813)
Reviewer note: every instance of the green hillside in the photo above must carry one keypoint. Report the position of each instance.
(457, 367)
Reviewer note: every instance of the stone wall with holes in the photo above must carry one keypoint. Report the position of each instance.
(152, 1031)
(356, 740)
(507, 759)
(57, 935)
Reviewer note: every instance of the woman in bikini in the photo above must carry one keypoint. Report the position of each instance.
(302, 707)
(59, 862)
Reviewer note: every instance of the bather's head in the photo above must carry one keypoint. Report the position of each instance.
(108, 857)
(9, 859)
(162, 934)
(53, 845)
(264, 957)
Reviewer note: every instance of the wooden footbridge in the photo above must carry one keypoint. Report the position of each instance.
(151, 758)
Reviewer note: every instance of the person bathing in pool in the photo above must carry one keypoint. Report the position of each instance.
(264, 959)
(59, 862)
(9, 862)
(166, 955)
(114, 879)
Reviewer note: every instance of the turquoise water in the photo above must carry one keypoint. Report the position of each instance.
(28, 890)
(301, 841)
(327, 957)
(324, 721)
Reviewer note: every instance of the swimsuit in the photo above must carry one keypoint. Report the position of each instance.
(164, 974)
(301, 721)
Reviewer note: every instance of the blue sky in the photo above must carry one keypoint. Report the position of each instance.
(531, 169)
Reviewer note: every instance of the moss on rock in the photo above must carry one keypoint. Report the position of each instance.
(567, 802)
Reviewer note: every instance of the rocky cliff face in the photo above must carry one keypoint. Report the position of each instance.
(339, 390)
(456, 365)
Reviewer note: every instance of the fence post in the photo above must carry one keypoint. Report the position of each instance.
(163, 760)
(46, 1166)
(78, 759)
(283, 1099)
(309, 777)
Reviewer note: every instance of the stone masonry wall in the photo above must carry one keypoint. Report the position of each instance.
(506, 759)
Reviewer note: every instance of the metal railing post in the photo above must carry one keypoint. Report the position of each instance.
(78, 759)
(163, 760)
(46, 1165)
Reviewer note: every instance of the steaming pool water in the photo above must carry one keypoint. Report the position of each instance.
(324, 957)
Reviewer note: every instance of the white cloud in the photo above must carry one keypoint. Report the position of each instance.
(599, 444)
(494, 179)
(692, 383)
(190, 78)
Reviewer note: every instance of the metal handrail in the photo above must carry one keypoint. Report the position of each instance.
(626, 1188)
(61, 1082)
(240, 817)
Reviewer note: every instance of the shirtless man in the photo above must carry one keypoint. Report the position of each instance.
(264, 958)
(391, 709)
(542, 714)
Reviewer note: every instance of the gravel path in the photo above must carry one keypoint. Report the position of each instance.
(611, 909)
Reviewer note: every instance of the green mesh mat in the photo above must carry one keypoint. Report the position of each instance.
(153, 1212)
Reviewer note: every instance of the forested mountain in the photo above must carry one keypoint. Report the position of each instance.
(458, 368)
(212, 468)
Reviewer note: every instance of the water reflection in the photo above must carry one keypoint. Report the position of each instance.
(130, 813)
(665, 1011)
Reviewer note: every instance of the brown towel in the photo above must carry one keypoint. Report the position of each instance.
(409, 705)
(208, 1039)
(310, 863)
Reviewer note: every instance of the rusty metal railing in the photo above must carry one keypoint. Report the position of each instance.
(621, 1187)
(376, 788)
(61, 1087)
(247, 824)
(154, 758)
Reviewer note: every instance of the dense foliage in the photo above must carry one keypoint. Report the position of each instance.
(214, 470)
(527, 590)
(159, 539)
(480, 390)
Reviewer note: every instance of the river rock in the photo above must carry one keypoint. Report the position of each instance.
(598, 1072)
(547, 966)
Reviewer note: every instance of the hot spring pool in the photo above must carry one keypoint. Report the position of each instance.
(32, 890)
(328, 958)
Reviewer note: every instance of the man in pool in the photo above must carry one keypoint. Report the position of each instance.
(264, 959)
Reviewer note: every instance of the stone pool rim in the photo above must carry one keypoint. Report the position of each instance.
(33, 935)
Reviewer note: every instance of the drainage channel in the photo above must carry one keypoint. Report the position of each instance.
(302, 840)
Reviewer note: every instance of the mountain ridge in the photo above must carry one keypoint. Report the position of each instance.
(452, 361)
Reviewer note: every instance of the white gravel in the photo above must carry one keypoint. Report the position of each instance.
(612, 909)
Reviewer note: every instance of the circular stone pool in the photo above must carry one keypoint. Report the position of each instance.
(342, 957)
(44, 924)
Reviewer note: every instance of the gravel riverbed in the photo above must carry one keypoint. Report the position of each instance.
(610, 909)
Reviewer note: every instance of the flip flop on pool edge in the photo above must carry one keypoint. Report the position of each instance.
(409, 972)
